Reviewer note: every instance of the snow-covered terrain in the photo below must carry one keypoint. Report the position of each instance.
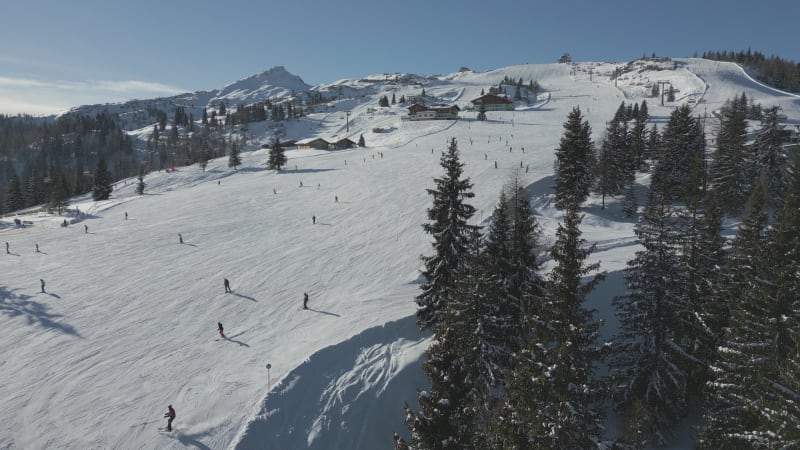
(128, 321)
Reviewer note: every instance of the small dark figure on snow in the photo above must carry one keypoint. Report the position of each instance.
(7, 250)
(86, 229)
(64, 224)
(221, 330)
(305, 300)
(170, 415)
(227, 285)
(37, 248)
(126, 215)
(41, 280)
(336, 198)
(180, 238)
(313, 220)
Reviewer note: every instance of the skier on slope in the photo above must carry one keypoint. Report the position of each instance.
(180, 238)
(227, 285)
(305, 300)
(41, 280)
(170, 415)
(221, 330)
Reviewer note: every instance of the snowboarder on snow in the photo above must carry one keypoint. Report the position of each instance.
(221, 330)
(41, 280)
(180, 238)
(305, 300)
(170, 415)
(227, 285)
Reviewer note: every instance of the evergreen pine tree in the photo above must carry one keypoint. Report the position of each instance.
(671, 94)
(448, 226)
(140, 185)
(729, 175)
(681, 142)
(102, 186)
(553, 397)
(361, 142)
(277, 156)
(771, 161)
(651, 364)
(14, 199)
(575, 156)
(234, 158)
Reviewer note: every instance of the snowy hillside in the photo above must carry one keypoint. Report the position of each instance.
(128, 322)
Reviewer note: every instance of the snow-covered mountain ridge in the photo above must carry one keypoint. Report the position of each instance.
(127, 322)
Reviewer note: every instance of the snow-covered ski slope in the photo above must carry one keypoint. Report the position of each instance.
(128, 322)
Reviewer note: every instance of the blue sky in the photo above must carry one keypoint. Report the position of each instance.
(57, 54)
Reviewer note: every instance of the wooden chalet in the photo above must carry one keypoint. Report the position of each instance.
(491, 102)
(342, 144)
(422, 112)
(315, 143)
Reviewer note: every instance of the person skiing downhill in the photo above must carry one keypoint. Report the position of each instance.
(227, 285)
(170, 415)
(41, 280)
(221, 330)
(7, 250)
(305, 300)
(180, 238)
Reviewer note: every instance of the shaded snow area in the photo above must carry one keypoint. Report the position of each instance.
(128, 321)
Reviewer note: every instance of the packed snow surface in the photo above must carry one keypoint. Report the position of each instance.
(128, 322)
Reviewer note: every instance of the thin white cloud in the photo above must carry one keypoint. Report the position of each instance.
(36, 96)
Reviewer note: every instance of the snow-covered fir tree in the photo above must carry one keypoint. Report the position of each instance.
(651, 362)
(448, 225)
(102, 187)
(770, 160)
(683, 138)
(234, 158)
(553, 399)
(575, 157)
(277, 156)
(729, 170)
(754, 397)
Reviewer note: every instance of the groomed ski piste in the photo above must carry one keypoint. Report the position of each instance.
(127, 324)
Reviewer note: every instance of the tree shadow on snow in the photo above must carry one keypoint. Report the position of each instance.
(35, 313)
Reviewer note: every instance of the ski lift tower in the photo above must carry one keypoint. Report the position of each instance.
(662, 83)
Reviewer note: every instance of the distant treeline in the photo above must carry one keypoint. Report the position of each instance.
(772, 70)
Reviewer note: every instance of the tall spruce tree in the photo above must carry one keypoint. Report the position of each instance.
(448, 225)
(234, 157)
(14, 198)
(681, 142)
(651, 363)
(770, 160)
(753, 401)
(553, 399)
(277, 156)
(102, 186)
(729, 171)
(575, 156)
(140, 185)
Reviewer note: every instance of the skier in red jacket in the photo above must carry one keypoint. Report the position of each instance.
(170, 415)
